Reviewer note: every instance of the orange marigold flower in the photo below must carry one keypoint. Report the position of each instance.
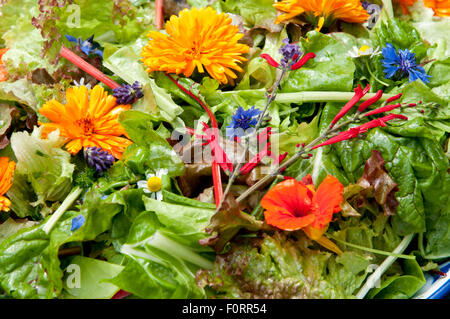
(197, 38)
(3, 72)
(88, 119)
(345, 10)
(293, 205)
(440, 7)
(6, 172)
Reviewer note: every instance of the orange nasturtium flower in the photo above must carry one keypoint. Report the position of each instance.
(3, 72)
(6, 172)
(88, 119)
(292, 205)
(350, 11)
(197, 38)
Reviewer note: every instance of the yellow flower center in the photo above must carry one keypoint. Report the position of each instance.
(363, 49)
(5, 203)
(154, 184)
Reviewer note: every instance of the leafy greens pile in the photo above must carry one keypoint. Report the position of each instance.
(148, 248)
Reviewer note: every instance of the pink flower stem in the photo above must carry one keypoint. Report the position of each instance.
(217, 180)
(88, 68)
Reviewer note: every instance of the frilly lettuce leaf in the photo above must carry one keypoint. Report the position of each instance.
(283, 266)
(44, 165)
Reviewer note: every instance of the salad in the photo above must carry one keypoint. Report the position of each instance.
(196, 149)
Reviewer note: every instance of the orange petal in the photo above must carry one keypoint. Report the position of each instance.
(290, 196)
(286, 221)
(6, 172)
(329, 197)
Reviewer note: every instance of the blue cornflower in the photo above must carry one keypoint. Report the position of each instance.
(291, 53)
(126, 93)
(403, 61)
(242, 121)
(97, 158)
(87, 46)
(77, 222)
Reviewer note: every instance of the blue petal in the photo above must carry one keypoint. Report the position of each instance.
(98, 52)
(390, 70)
(77, 222)
(71, 38)
(418, 73)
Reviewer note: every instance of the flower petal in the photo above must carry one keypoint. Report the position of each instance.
(329, 197)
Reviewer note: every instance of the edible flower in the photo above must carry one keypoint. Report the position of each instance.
(153, 184)
(88, 46)
(82, 82)
(77, 222)
(6, 173)
(197, 38)
(292, 205)
(359, 93)
(365, 50)
(291, 53)
(88, 119)
(128, 94)
(3, 72)
(403, 61)
(355, 131)
(441, 8)
(98, 158)
(321, 12)
(374, 10)
(242, 120)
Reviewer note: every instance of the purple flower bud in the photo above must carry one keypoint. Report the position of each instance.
(291, 53)
(127, 94)
(97, 158)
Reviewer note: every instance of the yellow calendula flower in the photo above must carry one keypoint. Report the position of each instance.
(6, 172)
(323, 10)
(197, 38)
(88, 119)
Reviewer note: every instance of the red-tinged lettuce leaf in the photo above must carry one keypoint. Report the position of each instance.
(227, 222)
(283, 266)
(384, 188)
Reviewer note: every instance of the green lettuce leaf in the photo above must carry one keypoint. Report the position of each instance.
(44, 165)
(331, 70)
(400, 287)
(283, 266)
(93, 273)
(159, 266)
(149, 151)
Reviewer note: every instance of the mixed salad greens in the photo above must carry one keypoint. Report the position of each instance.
(132, 215)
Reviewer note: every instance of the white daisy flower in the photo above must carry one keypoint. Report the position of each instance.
(81, 83)
(365, 50)
(153, 184)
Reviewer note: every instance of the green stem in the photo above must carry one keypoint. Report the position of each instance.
(387, 5)
(375, 277)
(73, 195)
(310, 96)
(372, 250)
(374, 76)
